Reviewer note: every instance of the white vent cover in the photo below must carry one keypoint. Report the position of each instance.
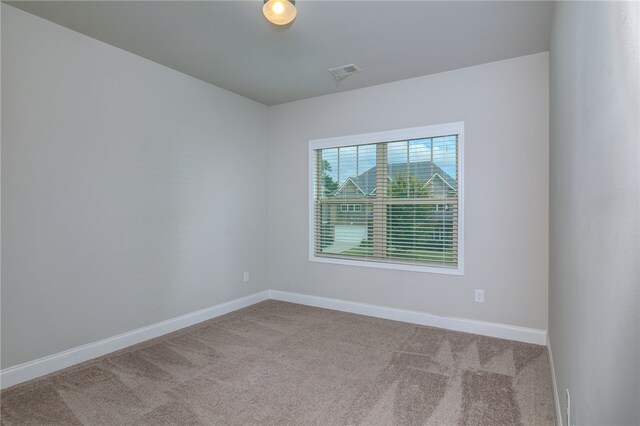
(343, 71)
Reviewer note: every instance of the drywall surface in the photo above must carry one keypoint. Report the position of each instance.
(504, 106)
(594, 299)
(131, 193)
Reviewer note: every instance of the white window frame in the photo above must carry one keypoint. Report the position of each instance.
(424, 132)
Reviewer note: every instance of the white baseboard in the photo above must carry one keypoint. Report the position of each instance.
(556, 395)
(42, 366)
(39, 367)
(504, 331)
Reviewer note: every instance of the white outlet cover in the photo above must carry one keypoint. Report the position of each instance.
(246, 276)
(479, 296)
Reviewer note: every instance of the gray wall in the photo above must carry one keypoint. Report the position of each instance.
(505, 108)
(131, 193)
(594, 318)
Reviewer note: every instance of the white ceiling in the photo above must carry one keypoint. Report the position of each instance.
(230, 44)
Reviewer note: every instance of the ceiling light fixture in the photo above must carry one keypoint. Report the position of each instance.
(279, 12)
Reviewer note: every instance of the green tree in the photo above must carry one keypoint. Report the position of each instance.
(328, 184)
(408, 186)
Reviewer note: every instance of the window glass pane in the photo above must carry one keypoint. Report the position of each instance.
(367, 168)
(420, 151)
(420, 168)
(445, 157)
(347, 212)
(421, 232)
(348, 163)
(397, 152)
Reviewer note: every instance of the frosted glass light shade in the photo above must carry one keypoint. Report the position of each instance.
(279, 12)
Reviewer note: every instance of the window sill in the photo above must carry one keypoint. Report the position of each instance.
(382, 265)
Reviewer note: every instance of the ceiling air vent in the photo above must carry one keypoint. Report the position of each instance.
(343, 71)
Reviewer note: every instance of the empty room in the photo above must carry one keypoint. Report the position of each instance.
(279, 212)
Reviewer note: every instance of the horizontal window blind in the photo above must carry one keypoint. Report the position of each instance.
(391, 202)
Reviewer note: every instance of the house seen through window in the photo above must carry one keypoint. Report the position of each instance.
(392, 202)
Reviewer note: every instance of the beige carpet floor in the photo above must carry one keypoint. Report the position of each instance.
(278, 363)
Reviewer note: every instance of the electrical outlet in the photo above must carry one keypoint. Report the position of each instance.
(479, 296)
(568, 408)
(246, 276)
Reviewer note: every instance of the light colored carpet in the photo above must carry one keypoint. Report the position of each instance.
(278, 363)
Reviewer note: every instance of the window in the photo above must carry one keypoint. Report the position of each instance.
(391, 199)
(350, 207)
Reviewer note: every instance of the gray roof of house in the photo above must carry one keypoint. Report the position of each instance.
(424, 170)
